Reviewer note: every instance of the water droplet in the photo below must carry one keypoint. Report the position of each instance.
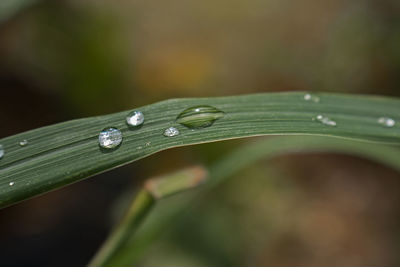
(387, 122)
(110, 138)
(23, 142)
(171, 131)
(309, 97)
(199, 116)
(11, 183)
(326, 120)
(147, 144)
(1, 151)
(135, 118)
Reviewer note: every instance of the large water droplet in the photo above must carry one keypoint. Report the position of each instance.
(110, 138)
(326, 120)
(135, 118)
(23, 142)
(1, 151)
(387, 122)
(171, 131)
(199, 116)
(11, 183)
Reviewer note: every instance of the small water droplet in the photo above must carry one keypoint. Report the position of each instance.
(11, 183)
(147, 144)
(199, 116)
(23, 142)
(171, 131)
(110, 138)
(135, 118)
(309, 97)
(387, 122)
(326, 120)
(1, 151)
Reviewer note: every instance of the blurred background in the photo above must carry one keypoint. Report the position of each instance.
(61, 60)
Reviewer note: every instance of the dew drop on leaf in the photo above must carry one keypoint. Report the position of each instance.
(387, 122)
(135, 118)
(310, 97)
(326, 120)
(23, 143)
(171, 131)
(110, 138)
(199, 116)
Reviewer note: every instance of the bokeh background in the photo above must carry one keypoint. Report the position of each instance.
(61, 60)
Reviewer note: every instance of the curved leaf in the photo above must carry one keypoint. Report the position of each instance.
(64, 153)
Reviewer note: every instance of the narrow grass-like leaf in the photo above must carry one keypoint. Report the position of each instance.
(64, 153)
(154, 190)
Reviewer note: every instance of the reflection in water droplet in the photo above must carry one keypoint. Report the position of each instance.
(135, 118)
(326, 120)
(110, 138)
(11, 183)
(23, 142)
(1, 152)
(199, 116)
(171, 131)
(387, 122)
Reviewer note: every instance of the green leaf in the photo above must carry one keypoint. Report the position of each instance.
(63, 153)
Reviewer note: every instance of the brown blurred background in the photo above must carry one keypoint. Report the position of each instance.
(61, 60)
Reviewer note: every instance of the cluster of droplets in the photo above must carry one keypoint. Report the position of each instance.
(387, 122)
(194, 118)
(310, 97)
(384, 121)
(326, 121)
(111, 137)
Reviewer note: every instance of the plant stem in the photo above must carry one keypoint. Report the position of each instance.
(140, 207)
(154, 189)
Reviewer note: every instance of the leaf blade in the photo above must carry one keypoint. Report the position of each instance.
(63, 153)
